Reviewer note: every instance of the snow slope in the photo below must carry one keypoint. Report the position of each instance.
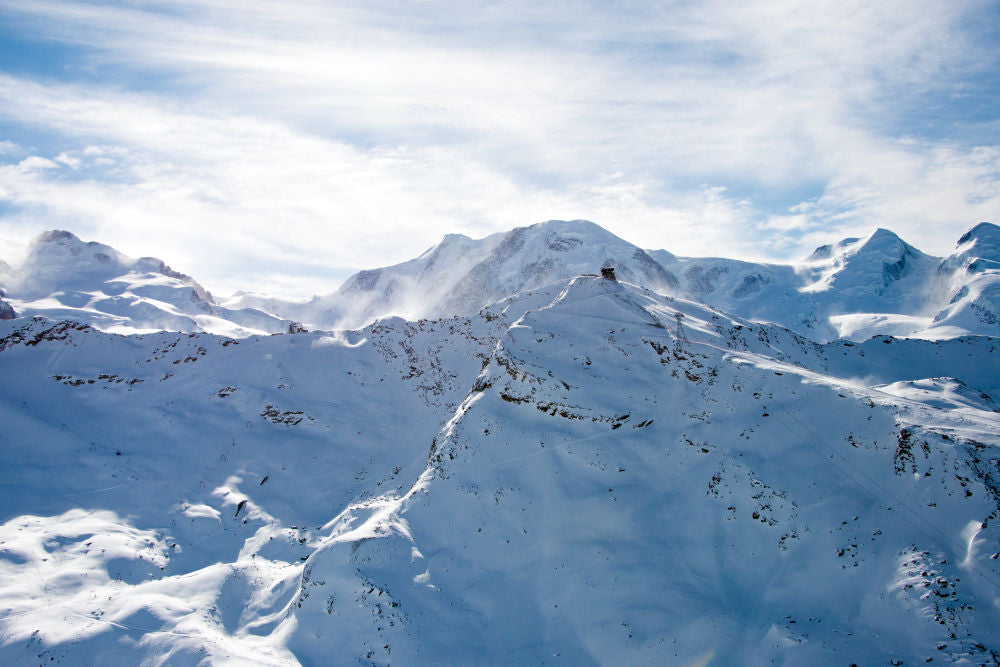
(63, 277)
(588, 473)
(855, 289)
(126, 461)
(852, 289)
(764, 292)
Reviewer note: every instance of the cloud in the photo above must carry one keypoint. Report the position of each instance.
(68, 160)
(365, 131)
(197, 188)
(36, 163)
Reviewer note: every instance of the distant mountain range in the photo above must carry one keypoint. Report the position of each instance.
(63, 277)
(853, 289)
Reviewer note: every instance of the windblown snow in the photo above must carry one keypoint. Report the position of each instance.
(564, 470)
(853, 289)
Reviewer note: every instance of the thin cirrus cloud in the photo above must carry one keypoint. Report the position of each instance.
(301, 141)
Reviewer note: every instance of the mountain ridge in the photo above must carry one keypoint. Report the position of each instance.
(855, 288)
(867, 286)
(62, 276)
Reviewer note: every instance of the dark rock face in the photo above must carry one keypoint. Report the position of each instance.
(6, 311)
(895, 271)
(560, 244)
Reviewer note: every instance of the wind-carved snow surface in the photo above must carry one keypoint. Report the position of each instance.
(588, 473)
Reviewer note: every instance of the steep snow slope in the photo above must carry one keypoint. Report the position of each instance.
(409, 290)
(632, 481)
(628, 478)
(969, 280)
(63, 277)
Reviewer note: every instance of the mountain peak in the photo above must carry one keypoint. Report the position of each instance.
(884, 240)
(882, 232)
(869, 267)
(63, 277)
(571, 225)
(62, 246)
(547, 252)
(57, 236)
(578, 228)
(598, 299)
(984, 231)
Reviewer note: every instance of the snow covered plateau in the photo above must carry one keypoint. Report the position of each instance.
(490, 455)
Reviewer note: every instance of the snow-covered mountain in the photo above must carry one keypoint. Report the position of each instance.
(64, 277)
(461, 275)
(855, 289)
(587, 472)
(766, 292)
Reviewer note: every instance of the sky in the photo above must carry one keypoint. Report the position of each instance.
(281, 146)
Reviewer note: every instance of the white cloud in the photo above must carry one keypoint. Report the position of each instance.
(329, 138)
(36, 163)
(68, 160)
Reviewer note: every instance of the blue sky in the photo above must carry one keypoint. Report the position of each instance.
(282, 146)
